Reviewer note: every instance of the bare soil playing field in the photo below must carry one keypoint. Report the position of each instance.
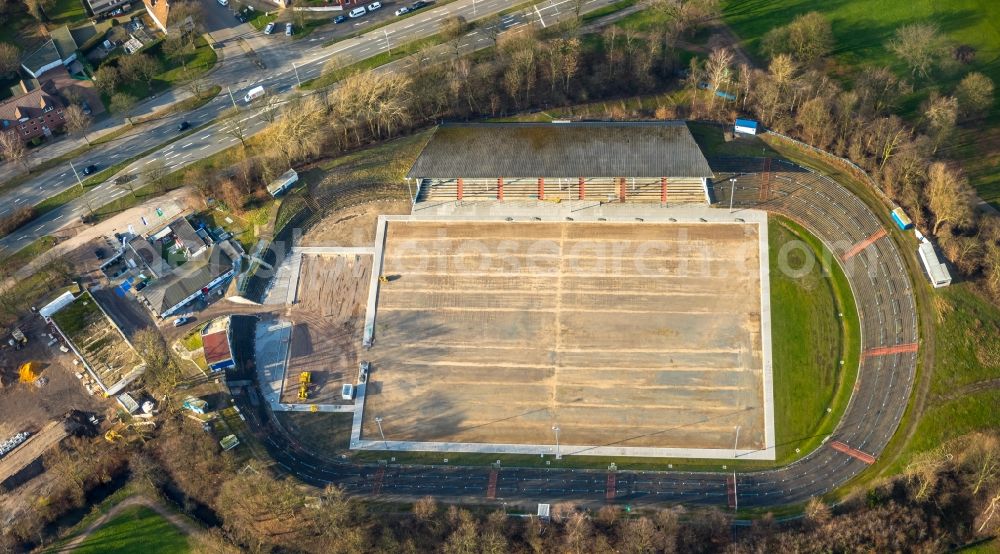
(635, 335)
(328, 319)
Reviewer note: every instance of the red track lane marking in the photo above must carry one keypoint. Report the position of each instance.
(491, 490)
(731, 490)
(377, 484)
(853, 452)
(610, 491)
(857, 248)
(895, 349)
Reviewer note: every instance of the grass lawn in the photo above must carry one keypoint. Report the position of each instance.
(77, 315)
(66, 11)
(192, 341)
(198, 63)
(710, 138)
(19, 259)
(809, 339)
(136, 529)
(861, 29)
(607, 10)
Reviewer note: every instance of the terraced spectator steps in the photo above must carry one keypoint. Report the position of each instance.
(652, 190)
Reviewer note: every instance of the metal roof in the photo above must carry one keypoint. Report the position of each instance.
(567, 150)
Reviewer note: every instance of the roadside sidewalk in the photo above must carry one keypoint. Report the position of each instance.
(109, 124)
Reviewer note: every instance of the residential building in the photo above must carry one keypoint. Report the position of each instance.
(59, 50)
(35, 114)
(194, 279)
(98, 7)
(217, 343)
(159, 12)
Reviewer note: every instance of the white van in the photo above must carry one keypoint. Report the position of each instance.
(253, 94)
(357, 12)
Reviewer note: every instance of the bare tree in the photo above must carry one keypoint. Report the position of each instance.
(807, 38)
(107, 78)
(717, 70)
(453, 28)
(975, 95)
(123, 103)
(141, 67)
(156, 175)
(919, 45)
(77, 122)
(686, 16)
(13, 150)
(10, 58)
(941, 114)
(949, 196)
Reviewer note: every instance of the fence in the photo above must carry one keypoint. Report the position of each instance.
(851, 166)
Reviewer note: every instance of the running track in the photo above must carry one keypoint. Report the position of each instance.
(888, 316)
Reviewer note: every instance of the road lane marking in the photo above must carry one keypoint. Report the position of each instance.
(188, 144)
(19, 200)
(150, 161)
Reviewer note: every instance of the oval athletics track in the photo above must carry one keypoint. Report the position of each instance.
(889, 336)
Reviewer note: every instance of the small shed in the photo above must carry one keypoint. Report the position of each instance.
(283, 183)
(745, 126)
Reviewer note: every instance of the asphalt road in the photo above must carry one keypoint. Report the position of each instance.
(282, 57)
(887, 313)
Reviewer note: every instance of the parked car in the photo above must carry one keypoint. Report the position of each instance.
(402, 11)
(357, 12)
(419, 4)
(116, 12)
(92, 168)
(269, 29)
(340, 19)
(288, 29)
(184, 125)
(240, 17)
(99, 253)
(181, 321)
(85, 107)
(141, 285)
(374, 6)
(223, 2)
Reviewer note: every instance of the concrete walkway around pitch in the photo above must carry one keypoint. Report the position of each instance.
(271, 349)
(284, 289)
(271, 353)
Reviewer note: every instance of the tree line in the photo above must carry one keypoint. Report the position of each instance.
(943, 499)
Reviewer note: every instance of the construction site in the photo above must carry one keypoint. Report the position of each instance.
(611, 338)
(327, 314)
(101, 345)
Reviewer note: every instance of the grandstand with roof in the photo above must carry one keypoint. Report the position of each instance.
(649, 162)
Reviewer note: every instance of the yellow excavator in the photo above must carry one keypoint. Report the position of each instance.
(304, 379)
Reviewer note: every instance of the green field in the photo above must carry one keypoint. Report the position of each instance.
(137, 530)
(66, 11)
(861, 29)
(809, 340)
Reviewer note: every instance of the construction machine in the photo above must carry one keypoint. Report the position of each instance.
(305, 378)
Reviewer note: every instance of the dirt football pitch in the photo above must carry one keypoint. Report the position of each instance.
(621, 334)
